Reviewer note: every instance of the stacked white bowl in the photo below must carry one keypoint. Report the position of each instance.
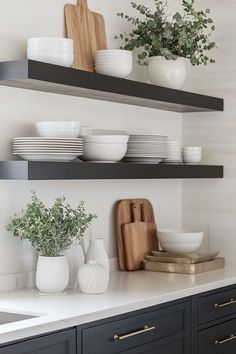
(180, 241)
(102, 147)
(116, 62)
(58, 129)
(58, 51)
(192, 154)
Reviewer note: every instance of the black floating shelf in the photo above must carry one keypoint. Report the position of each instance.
(39, 76)
(27, 170)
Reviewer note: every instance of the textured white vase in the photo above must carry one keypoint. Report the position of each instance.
(167, 73)
(93, 278)
(96, 252)
(52, 274)
(85, 241)
(76, 259)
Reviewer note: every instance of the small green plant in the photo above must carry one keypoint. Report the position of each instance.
(184, 34)
(51, 231)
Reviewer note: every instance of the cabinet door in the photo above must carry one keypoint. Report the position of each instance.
(59, 343)
(177, 346)
(220, 339)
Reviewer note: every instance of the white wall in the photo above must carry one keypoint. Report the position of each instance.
(19, 109)
(212, 204)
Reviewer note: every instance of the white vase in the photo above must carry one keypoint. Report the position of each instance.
(93, 278)
(76, 259)
(167, 73)
(52, 274)
(96, 252)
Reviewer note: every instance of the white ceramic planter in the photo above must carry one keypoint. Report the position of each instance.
(167, 73)
(96, 252)
(93, 278)
(52, 274)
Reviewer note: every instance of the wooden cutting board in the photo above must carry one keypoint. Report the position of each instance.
(88, 31)
(123, 216)
(136, 240)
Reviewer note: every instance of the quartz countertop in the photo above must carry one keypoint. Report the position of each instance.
(128, 291)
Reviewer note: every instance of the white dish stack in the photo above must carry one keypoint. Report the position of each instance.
(149, 149)
(174, 153)
(116, 62)
(47, 149)
(57, 51)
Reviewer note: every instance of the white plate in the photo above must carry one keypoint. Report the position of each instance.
(49, 157)
(51, 139)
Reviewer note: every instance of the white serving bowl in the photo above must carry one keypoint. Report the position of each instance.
(181, 247)
(192, 157)
(104, 152)
(180, 236)
(89, 131)
(112, 52)
(106, 139)
(58, 129)
(66, 59)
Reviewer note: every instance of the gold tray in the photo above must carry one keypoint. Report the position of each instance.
(181, 268)
(193, 258)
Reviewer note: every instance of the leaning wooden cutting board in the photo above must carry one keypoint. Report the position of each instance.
(88, 31)
(123, 216)
(136, 240)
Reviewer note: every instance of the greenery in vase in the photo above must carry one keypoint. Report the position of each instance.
(51, 231)
(185, 34)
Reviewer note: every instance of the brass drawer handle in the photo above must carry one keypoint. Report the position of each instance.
(220, 306)
(125, 336)
(231, 337)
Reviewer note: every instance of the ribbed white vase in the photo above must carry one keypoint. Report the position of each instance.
(96, 252)
(52, 274)
(93, 278)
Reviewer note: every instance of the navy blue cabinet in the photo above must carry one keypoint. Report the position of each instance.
(57, 343)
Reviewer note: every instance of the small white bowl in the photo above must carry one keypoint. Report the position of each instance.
(104, 152)
(192, 157)
(113, 52)
(58, 129)
(181, 247)
(50, 41)
(122, 71)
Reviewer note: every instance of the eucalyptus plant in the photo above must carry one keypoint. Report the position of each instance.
(185, 34)
(51, 231)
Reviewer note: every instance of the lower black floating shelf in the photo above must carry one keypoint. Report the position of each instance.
(27, 170)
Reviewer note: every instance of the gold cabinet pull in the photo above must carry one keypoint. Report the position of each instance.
(231, 337)
(220, 306)
(125, 336)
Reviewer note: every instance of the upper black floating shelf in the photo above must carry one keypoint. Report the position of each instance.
(39, 76)
(26, 170)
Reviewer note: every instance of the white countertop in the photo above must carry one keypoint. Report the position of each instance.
(127, 292)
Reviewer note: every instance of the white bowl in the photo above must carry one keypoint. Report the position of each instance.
(106, 139)
(181, 247)
(113, 62)
(58, 129)
(192, 158)
(104, 152)
(192, 148)
(180, 236)
(113, 52)
(89, 131)
(122, 71)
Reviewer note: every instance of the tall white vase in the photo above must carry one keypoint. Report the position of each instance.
(96, 252)
(167, 73)
(76, 260)
(52, 274)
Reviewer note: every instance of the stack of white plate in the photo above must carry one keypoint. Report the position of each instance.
(48, 149)
(149, 149)
(174, 153)
(58, 51)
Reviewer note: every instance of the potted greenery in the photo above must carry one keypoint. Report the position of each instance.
(51, 231)
(165, 41)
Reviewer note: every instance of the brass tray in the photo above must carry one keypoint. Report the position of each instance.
(193, 258)
(182, 268)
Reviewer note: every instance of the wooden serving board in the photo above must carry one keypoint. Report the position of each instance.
(218, 263)
(87, 29)
(123, 214)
